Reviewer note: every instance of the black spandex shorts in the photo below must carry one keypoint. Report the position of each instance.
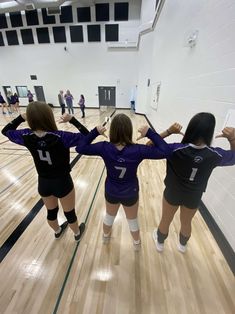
(58, 187)
(124, 201)
(176, 197)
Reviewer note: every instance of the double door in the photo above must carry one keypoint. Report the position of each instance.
(107, 96)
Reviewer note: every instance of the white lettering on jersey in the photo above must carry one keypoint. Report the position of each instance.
(45, 158)
(123, 171)
(193, 174)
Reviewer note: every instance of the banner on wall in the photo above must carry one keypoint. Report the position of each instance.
(155, 95)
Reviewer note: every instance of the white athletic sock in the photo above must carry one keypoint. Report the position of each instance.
(136, 242)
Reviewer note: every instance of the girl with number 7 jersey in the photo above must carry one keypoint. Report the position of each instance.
(122, 158)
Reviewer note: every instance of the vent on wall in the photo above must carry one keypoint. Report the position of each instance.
(29, 6)
(53, 10)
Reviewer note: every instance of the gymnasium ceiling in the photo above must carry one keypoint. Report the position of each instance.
(21, 5)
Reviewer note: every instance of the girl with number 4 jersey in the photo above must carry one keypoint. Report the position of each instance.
(49, 148)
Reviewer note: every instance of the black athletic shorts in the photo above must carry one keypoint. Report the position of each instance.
(177, 197)
(58, 187)
(124, 201)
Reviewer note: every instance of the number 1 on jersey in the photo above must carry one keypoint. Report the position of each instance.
(123, 171)
(193, 174)
(45, 158)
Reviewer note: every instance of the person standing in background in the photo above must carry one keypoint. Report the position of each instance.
(11, 101)
(69, 101)
(3, 104)
(133, 97)
(82, 105)
(61, 101)
(30, 96)
(17, 102)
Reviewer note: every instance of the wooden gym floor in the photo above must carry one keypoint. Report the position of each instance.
(42, 275)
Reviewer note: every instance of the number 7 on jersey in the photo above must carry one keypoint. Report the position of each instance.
(123, 171)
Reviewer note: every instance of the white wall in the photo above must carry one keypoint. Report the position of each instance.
(147, 11)
(193, 80)
(84, 66)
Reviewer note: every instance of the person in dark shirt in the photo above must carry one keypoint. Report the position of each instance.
(189, 166)
(17, 104)
(49, 148)
(30, 96)
(122, 158)
(82, 105)
(12, 102)
(61, 101)
(3, 104)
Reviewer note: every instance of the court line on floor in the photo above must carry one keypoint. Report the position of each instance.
(12, 239)
(16, 180)
(17, 158)
(76, 248)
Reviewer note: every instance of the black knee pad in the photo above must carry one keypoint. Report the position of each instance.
(71, 216)
(52, 213)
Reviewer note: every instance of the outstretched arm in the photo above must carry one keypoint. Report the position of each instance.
(86, 148)
(173, 129)
(160, 150)
(228, 156)
(71, 119)
(229, 133)
(10, 130)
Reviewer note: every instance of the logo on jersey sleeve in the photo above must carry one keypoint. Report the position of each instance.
(198, 159)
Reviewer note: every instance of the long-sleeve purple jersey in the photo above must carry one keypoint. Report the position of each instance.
(188, 165)
(122, 164)
(51, 151)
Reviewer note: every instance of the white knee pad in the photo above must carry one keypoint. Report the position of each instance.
(108, 220)
(133, 224)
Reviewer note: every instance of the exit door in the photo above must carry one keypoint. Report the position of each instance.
(39, 93)
(107, 96)
(7, 89)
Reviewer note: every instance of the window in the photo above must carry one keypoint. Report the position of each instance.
(22, 91)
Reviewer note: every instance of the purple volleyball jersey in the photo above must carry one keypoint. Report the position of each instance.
(187, 165)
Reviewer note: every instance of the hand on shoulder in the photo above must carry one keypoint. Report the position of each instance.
(101, 130)
(66, 117)
(143, 131)
(228, 132)
(175, 129)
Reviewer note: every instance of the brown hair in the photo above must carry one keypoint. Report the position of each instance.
(40, 117)
(121, 130)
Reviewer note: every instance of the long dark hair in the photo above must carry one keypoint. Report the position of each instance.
(200, 128)
(121, 130)
(40, 117)
(82, 96)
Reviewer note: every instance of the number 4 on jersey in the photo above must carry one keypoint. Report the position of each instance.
(45, 158)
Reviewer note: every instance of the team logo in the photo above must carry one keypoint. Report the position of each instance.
(42, 143)
(121, 160)
(198, 159)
